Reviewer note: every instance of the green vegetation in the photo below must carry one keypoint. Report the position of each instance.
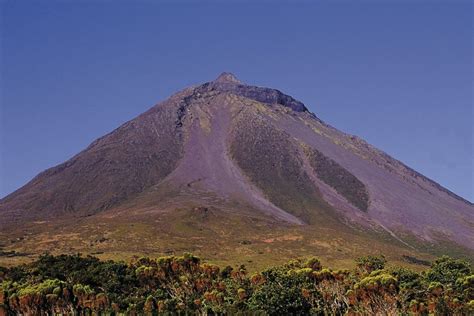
(336, 176)
(270, 158)
(371, 263)
(85, 285)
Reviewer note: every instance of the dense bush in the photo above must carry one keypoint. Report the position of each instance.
(85, 285)
(371, 263)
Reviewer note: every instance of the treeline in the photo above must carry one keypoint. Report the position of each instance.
(85, 285)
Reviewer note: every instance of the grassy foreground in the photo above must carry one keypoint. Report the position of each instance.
(85, 285)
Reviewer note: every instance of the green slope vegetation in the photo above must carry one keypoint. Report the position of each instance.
(339, 178)
(271, 160)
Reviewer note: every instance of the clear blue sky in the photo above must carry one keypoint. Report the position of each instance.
(398, 74)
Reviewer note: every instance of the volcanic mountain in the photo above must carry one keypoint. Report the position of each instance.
(234, 171)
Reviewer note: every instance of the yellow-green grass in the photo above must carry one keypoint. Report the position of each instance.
(220, 237)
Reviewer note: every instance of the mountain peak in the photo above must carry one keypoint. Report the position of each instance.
(248, 157)
(228, 82)
(227, 77)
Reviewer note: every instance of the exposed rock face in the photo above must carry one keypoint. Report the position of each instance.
(228, 83)
(230, 147)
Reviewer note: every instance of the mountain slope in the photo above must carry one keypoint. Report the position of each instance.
(225, 153)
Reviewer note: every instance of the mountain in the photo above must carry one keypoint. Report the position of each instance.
(234, 171)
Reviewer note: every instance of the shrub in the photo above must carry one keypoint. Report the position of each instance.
(369, 264)
(183, 284)
(447, 270)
